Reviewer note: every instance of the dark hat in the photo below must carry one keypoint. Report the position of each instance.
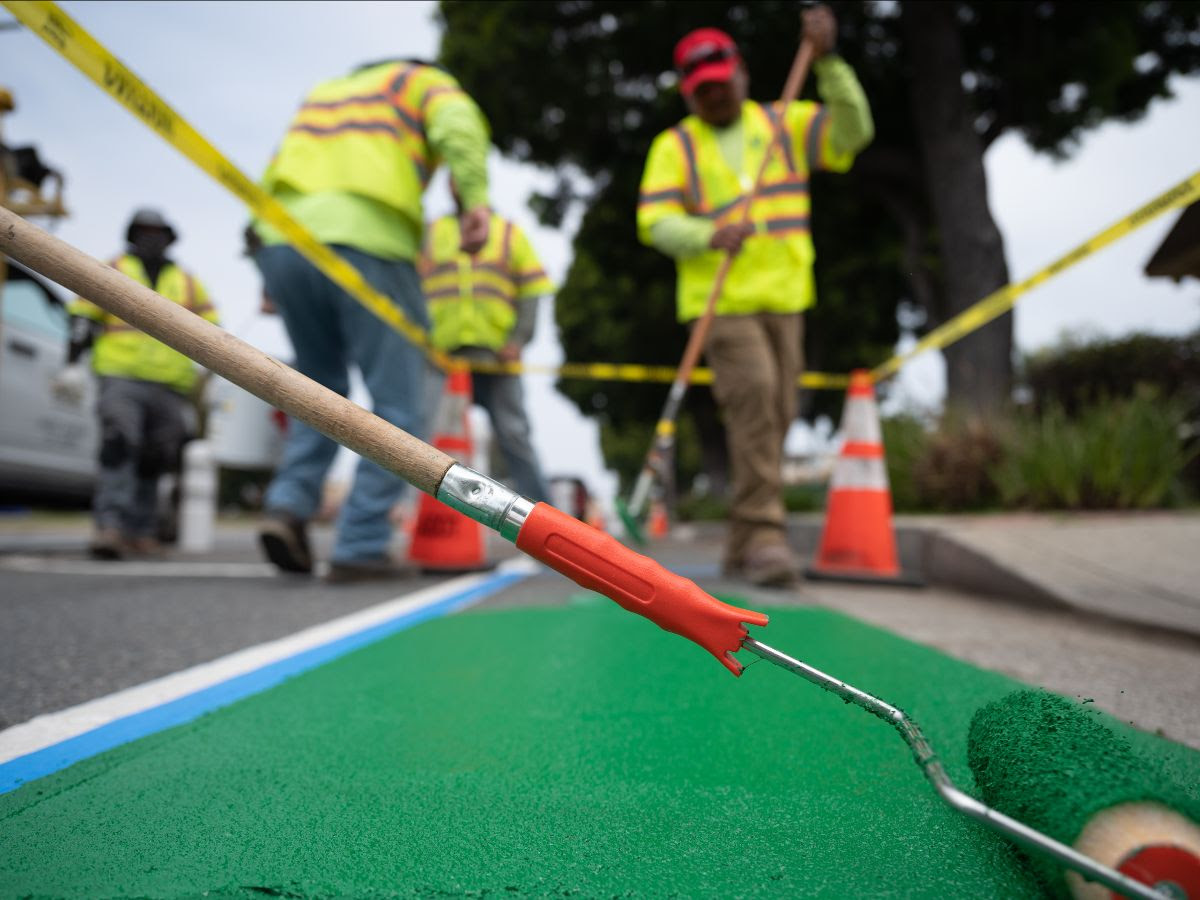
(149, 218)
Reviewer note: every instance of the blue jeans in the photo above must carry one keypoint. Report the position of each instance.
(331, 331)
(504, 400)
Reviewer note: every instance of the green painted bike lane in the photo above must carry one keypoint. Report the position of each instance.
(557, 751)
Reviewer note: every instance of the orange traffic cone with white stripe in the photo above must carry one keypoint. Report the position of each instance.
(443, 539)
(858, 543)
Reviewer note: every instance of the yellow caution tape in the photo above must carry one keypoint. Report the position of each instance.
(65, 35)
(633, 372)
(1001, 301)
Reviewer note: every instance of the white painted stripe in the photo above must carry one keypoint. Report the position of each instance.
(860, 421)
(48, 565)
(859, 473)
(52, 728)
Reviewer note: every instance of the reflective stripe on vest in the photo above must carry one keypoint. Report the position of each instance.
(122, 351)
(365, 134)
(472, 299)
(773, 270)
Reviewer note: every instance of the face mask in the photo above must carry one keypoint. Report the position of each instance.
(150, 243)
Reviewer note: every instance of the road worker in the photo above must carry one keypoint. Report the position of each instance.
(352, 168)
(145, 392)
(484, 309)
(688, 209)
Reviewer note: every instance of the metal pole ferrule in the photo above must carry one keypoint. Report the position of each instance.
(486, 501)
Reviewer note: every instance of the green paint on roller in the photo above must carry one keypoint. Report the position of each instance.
(534, 751)
(1053, 764)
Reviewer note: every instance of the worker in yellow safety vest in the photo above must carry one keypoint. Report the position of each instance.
(688, 208)
(352, 168)
(484, 308)
(145, 392)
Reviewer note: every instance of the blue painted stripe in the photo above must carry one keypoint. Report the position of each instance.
(48, 760)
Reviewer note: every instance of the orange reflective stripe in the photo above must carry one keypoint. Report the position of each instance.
(530, 276)
(695, 189)
(477, 290)
(498, 268)
(667, 194)
(786, 225)
(378, 97)
(377, 126)
(779, 124)
(814, 136)
(413, 119)
(438, 91)
(506, 245)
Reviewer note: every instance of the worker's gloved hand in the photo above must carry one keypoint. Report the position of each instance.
(509, 353)
(70, 383)
(473, 229)
(820, 29)
(730, 237)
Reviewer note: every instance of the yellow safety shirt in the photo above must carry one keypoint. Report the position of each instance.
(122, 351)
(359, 153)
(686, 174)
(473, 299)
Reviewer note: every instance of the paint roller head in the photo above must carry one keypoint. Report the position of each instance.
(1068, 771)
(633, 528)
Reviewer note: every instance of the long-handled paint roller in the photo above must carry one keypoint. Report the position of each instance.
(584, 554)
(1065, 769)
(663, 442)
(1012, 772)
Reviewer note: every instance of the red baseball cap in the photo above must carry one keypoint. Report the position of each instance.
(706, 54)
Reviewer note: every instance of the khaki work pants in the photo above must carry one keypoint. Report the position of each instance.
(756, 360)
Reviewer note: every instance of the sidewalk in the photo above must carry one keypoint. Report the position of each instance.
(1137, 567)
(1134, 567)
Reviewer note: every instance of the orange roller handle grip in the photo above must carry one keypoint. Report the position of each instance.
(597, 561)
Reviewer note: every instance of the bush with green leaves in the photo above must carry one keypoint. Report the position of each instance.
(1122, 454)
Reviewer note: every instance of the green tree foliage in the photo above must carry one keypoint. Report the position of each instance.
(582, 87)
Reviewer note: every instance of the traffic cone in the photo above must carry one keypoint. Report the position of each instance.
(443, 539)
(858, 543)
(658, 526)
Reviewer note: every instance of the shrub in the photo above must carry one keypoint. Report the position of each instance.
(1126, 454)
(946, 470)
(1080, 374)
(905, 439)
(955, 472)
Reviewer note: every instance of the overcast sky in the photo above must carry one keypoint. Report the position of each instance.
(238, 71)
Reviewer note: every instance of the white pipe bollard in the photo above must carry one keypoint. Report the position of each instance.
(198, 498)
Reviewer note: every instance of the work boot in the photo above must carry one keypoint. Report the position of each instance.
(284, 540)
(381, 569)
(771, 565)
(145, 546)
(107, 543)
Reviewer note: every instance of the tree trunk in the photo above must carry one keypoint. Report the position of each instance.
(979, 366)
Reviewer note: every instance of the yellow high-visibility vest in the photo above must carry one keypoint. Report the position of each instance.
(473, 299)
(686, 174)
(364, 133)
(124, 352)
